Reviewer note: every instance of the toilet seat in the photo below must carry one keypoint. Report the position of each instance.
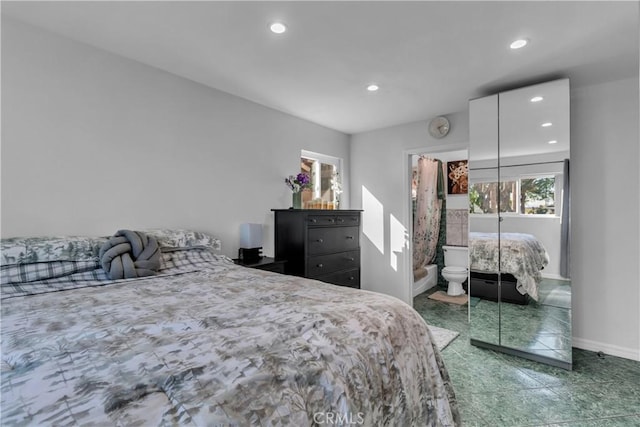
(453, 269)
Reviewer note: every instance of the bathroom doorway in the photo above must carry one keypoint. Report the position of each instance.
(439, 176)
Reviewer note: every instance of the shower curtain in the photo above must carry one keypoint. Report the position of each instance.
(426, 221)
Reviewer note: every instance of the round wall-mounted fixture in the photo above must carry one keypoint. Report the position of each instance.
(439, 127)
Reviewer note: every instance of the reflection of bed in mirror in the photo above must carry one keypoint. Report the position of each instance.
(522, 258)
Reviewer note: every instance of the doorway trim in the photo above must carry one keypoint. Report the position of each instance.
(407, 155)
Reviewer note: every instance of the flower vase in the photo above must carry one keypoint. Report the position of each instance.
(297, 200)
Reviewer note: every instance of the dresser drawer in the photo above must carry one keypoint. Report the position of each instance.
(348, 219)
(333, 219)
(321, 220)
(325, 264)
(324, 240)
(350, 278)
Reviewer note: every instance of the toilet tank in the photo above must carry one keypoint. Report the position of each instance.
(456, 256)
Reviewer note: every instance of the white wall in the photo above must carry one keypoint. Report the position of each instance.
(605, 215)
(93, 142)
(378, 161)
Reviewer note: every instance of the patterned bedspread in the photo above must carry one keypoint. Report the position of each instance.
(214, 344)
(521, 255)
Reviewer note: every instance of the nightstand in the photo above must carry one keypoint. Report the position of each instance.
(265, 263)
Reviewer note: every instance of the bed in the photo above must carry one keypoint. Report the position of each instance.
(522, 258)
(206, 342)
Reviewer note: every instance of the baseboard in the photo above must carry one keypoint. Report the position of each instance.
(610, 349)
(554, 276)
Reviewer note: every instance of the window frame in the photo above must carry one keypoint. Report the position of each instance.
(326, 159)
(557, 196)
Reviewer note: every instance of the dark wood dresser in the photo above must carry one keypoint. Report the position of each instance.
(320, 244)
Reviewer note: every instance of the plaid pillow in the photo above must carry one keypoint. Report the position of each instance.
(175, 262)
(24, 273)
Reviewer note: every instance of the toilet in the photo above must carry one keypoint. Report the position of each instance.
(456, 260)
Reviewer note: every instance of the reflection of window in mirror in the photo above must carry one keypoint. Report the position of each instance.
(484, 196)
(325, 172)
(525, 195)
(538, 195)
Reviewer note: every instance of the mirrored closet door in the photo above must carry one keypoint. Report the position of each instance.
(519, 223)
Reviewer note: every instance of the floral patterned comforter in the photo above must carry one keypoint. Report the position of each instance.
(219, 345)
(521, 255)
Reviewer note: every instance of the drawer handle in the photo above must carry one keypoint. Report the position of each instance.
(331, 220)
(340, 219)
(351, 259)
(319, 240)
(352, 278)
(349, 237)
(313, 220)
(320, 265)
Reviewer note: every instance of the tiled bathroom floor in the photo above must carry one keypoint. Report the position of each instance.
(495, 389)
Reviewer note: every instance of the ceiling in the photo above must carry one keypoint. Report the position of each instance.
(429, 58)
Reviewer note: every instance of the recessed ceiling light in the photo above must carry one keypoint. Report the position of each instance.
(520, 43)
(373, 87)
(553, 141)
(278, 27)
(546, 125)
(537, 99)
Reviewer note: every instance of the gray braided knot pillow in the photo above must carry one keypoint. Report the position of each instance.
(129, 254)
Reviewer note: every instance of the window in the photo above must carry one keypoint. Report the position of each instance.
(325, 173)
(537, 196)
(526, 195)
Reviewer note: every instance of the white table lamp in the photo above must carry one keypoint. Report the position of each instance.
(250, 242)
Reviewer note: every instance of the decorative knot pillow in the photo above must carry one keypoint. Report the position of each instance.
(129, 254)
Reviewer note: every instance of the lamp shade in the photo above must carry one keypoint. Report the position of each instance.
(250, 235)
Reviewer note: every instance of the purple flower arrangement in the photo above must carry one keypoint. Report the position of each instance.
(298, 183)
